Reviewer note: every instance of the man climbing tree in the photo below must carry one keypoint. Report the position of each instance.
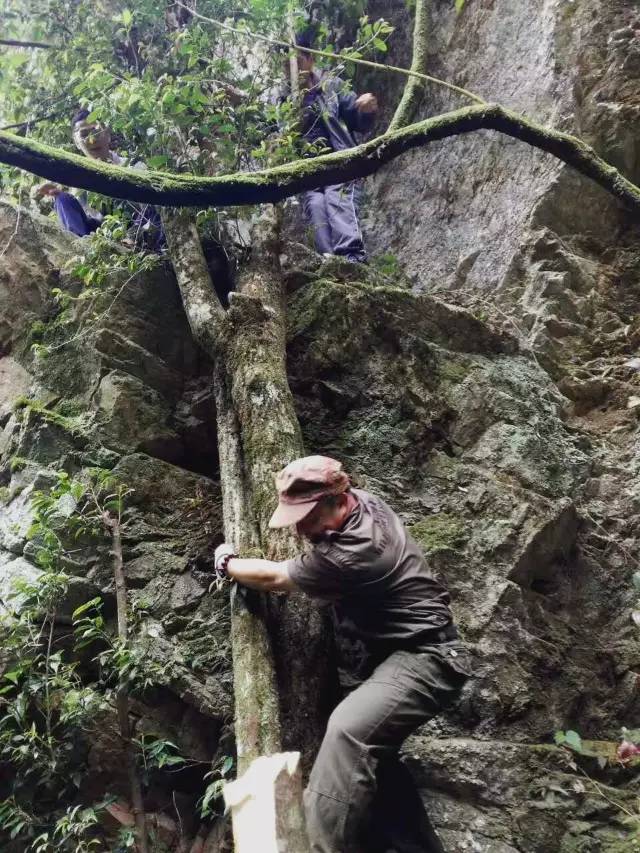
(400, 658)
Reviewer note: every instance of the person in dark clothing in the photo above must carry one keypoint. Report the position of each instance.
(401, 662)
(331, 116)
(76, 216)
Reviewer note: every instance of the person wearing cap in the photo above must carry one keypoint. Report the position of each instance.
(332, 118)
(400, 659)
(74, 214)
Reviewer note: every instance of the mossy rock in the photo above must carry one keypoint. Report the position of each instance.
(439, 533)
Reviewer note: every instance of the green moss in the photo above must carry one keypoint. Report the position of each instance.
(70, 408)
(17, 463)
(439, 532)
(5, 495)
(69, 424)
(453, 372)
(36, 332)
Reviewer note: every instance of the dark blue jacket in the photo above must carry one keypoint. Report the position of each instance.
(330, 116)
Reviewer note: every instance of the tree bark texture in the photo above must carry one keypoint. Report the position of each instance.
(271, 438)
(414, 86)
(257, 716)
(280, 182)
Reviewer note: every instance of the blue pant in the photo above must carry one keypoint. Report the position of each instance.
(73, 216)
(146, 230)
(332, 212)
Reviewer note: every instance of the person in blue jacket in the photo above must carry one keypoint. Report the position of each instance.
(75, 215)
(332, 118)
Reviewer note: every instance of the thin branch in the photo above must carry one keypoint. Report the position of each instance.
(122, 697)
(380, 66)
(32, 44)
(414, 85)
(24, 125)
(279, 182)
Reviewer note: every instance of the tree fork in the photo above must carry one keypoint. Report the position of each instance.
(281, 182)
(257, 719)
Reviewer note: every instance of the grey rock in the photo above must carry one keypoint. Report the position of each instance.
(15, 570)
(14, 383)
(129, 357)
(15, 520)
(145, 568)
(186, 593)
(136, 417)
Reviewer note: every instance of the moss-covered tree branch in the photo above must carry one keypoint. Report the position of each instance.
(271, 185)
(414, 85)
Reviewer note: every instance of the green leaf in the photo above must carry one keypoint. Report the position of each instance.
(459, 5)
(380, 45)
(126, 17)
(573, 740)
(84, 607)
(157, 162)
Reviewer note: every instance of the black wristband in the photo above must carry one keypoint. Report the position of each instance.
(221, 568)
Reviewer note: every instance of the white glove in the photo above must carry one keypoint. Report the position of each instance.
(221, 557)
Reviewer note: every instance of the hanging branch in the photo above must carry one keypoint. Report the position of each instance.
(275, 184)
(415, 84)
(112, 522)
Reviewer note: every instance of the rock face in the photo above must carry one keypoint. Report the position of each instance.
(471, 441)
(125, 389)
(541, 547)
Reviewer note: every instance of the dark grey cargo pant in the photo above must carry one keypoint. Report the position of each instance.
(368, 726)
(332, 213)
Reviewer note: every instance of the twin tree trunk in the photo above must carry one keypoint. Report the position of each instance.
(258, 434)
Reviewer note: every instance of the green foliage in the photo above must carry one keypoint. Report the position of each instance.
(211, 803)
(387, 265)
(46, 710)
(104, 260)
(70, 424)
(177, 92)
(17, 463)
(459, 5)
(570, 739)
(156, 753)
(44, 713)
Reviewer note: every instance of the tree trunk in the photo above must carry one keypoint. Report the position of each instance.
(258, 433)
(257, 718)
(271, 437)
(262, 801)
